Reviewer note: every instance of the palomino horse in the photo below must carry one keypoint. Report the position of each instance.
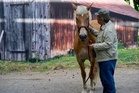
(82, 38)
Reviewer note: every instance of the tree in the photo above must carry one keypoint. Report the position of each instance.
(136, 2)
(133, 3)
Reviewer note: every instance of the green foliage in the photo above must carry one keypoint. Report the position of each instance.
(120, 46)
(128, 55)
(136, 4)
(138, 36)
(127, 1)
(138, 39)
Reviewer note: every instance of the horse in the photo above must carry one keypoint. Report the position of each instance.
(83, 36)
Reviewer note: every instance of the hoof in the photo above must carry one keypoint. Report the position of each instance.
(84, 91)
(91, 91)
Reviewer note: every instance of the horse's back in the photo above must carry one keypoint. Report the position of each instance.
(95, 24)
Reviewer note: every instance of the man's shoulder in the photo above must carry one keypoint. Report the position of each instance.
(110, 27)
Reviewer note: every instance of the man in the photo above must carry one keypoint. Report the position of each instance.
(106, 50)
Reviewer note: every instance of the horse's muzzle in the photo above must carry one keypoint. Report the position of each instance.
(83, 37)
(82, 32)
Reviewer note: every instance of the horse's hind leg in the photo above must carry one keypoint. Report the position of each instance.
(83, 73)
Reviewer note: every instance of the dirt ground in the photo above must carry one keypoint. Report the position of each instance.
(64, 81)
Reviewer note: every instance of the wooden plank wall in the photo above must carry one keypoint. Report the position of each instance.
(1, 27)
(127, 29)
(127, 36)
(15, 31)
(62, 28)
(41, 30)
(27, 31)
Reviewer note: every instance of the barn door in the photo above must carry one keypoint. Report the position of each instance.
(18, 33)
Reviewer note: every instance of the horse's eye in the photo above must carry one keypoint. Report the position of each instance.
(87, 19)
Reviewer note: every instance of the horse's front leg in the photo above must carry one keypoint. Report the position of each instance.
(83, 73)
(93, 75)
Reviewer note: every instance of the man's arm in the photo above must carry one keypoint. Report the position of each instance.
(108, 40)
(94, 32)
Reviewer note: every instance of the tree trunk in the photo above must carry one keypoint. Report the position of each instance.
(132, 3)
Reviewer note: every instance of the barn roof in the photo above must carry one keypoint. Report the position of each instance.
(117, 6)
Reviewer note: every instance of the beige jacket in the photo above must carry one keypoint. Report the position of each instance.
(106, 42)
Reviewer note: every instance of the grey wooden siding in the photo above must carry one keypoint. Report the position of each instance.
(1, 28)
(27, 32)
(41, 30)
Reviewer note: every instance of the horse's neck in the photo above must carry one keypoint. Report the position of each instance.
(84, 44)
(91, 37)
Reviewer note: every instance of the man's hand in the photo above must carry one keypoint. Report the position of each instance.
(91, 46)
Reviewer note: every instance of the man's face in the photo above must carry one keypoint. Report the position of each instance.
(100, 20)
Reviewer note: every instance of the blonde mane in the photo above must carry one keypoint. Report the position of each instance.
(82, 10)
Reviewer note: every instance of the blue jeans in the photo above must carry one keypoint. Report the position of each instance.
(107, 75)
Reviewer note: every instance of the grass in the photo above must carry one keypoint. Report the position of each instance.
(138, 37)
(128, 55)
(59, 62)
(127, 58)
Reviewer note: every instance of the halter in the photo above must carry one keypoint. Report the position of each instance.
(86, 27)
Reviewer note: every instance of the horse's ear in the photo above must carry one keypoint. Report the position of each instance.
(74, 6)
(89, 7)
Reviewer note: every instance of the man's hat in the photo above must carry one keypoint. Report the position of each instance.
(103, 13)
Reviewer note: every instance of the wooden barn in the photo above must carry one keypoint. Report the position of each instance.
(45, 28)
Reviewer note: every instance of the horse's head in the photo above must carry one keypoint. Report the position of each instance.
(82, 16)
